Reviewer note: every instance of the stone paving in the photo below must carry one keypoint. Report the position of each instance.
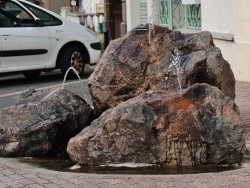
(15, 174)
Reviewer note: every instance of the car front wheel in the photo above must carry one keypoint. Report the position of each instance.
(72, 57)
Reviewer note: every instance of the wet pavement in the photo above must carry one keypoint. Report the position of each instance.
(14, 173)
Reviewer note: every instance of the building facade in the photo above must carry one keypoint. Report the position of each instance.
(55, 5)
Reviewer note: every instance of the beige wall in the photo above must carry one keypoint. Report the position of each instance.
(133, 13)
(230, 17)
(55, 5)
(242, 39)
(242, 21)
(217, 16)
(227, 48)
(242, 62)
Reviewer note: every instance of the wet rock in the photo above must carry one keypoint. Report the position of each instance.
(41, 123)
(131, 66)
(201, 126)
(32, 96)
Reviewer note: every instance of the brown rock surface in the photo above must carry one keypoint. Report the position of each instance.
(201, 126)
(41, 123)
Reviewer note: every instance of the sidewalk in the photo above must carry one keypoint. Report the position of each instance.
(16, 174)
(243, 102)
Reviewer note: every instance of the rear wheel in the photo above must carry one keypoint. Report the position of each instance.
(72, 56)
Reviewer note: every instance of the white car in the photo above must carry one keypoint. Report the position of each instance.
(34, 39)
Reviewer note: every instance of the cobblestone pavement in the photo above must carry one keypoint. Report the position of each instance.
(15, 174)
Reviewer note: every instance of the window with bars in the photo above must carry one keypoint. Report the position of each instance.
(165, 13)
(193, 16)
(174, 15)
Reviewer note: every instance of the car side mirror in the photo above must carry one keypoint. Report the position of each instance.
(39, 23)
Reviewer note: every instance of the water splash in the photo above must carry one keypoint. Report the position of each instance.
(65, 76)
(176, 63)
(151, 28)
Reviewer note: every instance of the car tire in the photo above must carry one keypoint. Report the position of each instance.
(72, 56)
(32, 74)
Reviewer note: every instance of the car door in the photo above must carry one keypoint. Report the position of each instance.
(24, 44)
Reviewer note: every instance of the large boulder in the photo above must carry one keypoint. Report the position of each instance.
(41, 123)
(131, 66)
(201, 126)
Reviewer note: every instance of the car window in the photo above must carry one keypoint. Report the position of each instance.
(12, 15)
(47, 19)
(5, 21)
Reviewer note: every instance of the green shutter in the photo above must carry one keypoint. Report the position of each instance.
(144, 11)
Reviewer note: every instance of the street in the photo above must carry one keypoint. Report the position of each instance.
(12, 85)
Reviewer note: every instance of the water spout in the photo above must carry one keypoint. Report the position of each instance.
(65, 76)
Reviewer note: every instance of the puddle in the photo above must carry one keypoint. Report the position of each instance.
(66, 165)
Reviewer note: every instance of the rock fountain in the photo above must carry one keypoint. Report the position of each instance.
(144, 118)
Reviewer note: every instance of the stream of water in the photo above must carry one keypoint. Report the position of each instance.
(65, 76)
(176, 63)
